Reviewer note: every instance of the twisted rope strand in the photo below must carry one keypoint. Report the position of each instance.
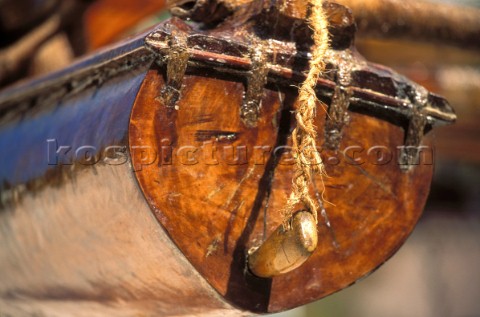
(307, 159)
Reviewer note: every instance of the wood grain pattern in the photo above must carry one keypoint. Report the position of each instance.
(216, 212)
(77, 236)
(215, 186)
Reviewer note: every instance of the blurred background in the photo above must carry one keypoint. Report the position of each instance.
(437, 272)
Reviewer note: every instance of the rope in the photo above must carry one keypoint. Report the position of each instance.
(307, 159)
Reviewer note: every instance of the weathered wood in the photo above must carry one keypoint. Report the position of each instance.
(77, 235)
(215, 212)
(215, 185)
(415, 20)
(201, 193)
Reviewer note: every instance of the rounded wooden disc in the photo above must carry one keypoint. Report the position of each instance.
(218, 188)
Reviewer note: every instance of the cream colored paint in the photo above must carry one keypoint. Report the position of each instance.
(93, 247)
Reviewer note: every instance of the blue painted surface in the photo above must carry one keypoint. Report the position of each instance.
(98, 117)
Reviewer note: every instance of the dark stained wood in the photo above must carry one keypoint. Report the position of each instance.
(374, 209)
(415, 20)
(77, 236)
(215, 213)
(210, 238)
(215, 185)
(375, 89)
(216, 209)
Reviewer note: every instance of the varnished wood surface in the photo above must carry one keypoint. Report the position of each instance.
(215, 213)
(78, 237)
(212, 206)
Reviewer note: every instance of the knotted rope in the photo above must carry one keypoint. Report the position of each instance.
(307, 158)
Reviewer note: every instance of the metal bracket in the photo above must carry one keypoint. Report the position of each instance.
(338, 116)
(256, 81)
(177, 61)
(410, 152)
